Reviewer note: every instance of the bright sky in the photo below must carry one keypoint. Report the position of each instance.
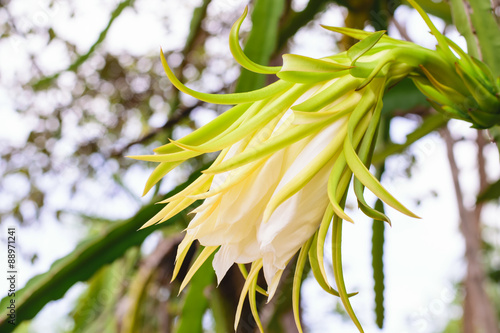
(423, 258)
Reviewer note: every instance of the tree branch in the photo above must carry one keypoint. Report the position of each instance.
(169, 124)
(47, 81)
(479, 315)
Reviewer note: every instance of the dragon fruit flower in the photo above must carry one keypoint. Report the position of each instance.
(289, 151)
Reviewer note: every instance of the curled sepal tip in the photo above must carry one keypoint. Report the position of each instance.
(254, 272)
(297, 282)
(235, 98)
(204, 255)
(253, 304)
(240, 56)
(338, 272)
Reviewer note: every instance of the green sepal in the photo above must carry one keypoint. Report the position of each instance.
(290, 136)
(328, 95)
(337, 269)
(339, 171)
(301, 69)
(167, 158)
(471, 64)
(452, 112)
(318, 270)
(244, 273)
(158, 173)
(208, 131)
(345, 105)
(181, 255)
(365, 154)
(384, 41)
(297, 282)
(439, 37)
(380, 70)
(316, 252)
(253, 304)
(482, 96)
(454, 96)
(359, 169)
(363, 46)
(204, 255)
(254, 272)
(484, 120)
(240, 56)
(265, 111)
(340, 176)
(430, 91)
(486, 75)
(235, 98)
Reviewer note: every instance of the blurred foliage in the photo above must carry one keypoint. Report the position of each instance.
(81, 119)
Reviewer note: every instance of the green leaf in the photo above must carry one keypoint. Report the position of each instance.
(222, 311)
(463, 25)
(440, 9)
(293, 21)
(492, 192)
(199, 13)
(88, 257)
(378, 265)
(95, 308)
(495, 133)
(487, 32)
(195, 301)
(137, 293)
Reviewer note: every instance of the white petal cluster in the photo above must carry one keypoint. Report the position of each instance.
(238, 218)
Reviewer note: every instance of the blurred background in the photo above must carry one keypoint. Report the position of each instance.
(82, 87)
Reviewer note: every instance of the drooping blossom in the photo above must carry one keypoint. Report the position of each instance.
(289, 151)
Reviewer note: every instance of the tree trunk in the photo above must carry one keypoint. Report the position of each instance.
(478, 313)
